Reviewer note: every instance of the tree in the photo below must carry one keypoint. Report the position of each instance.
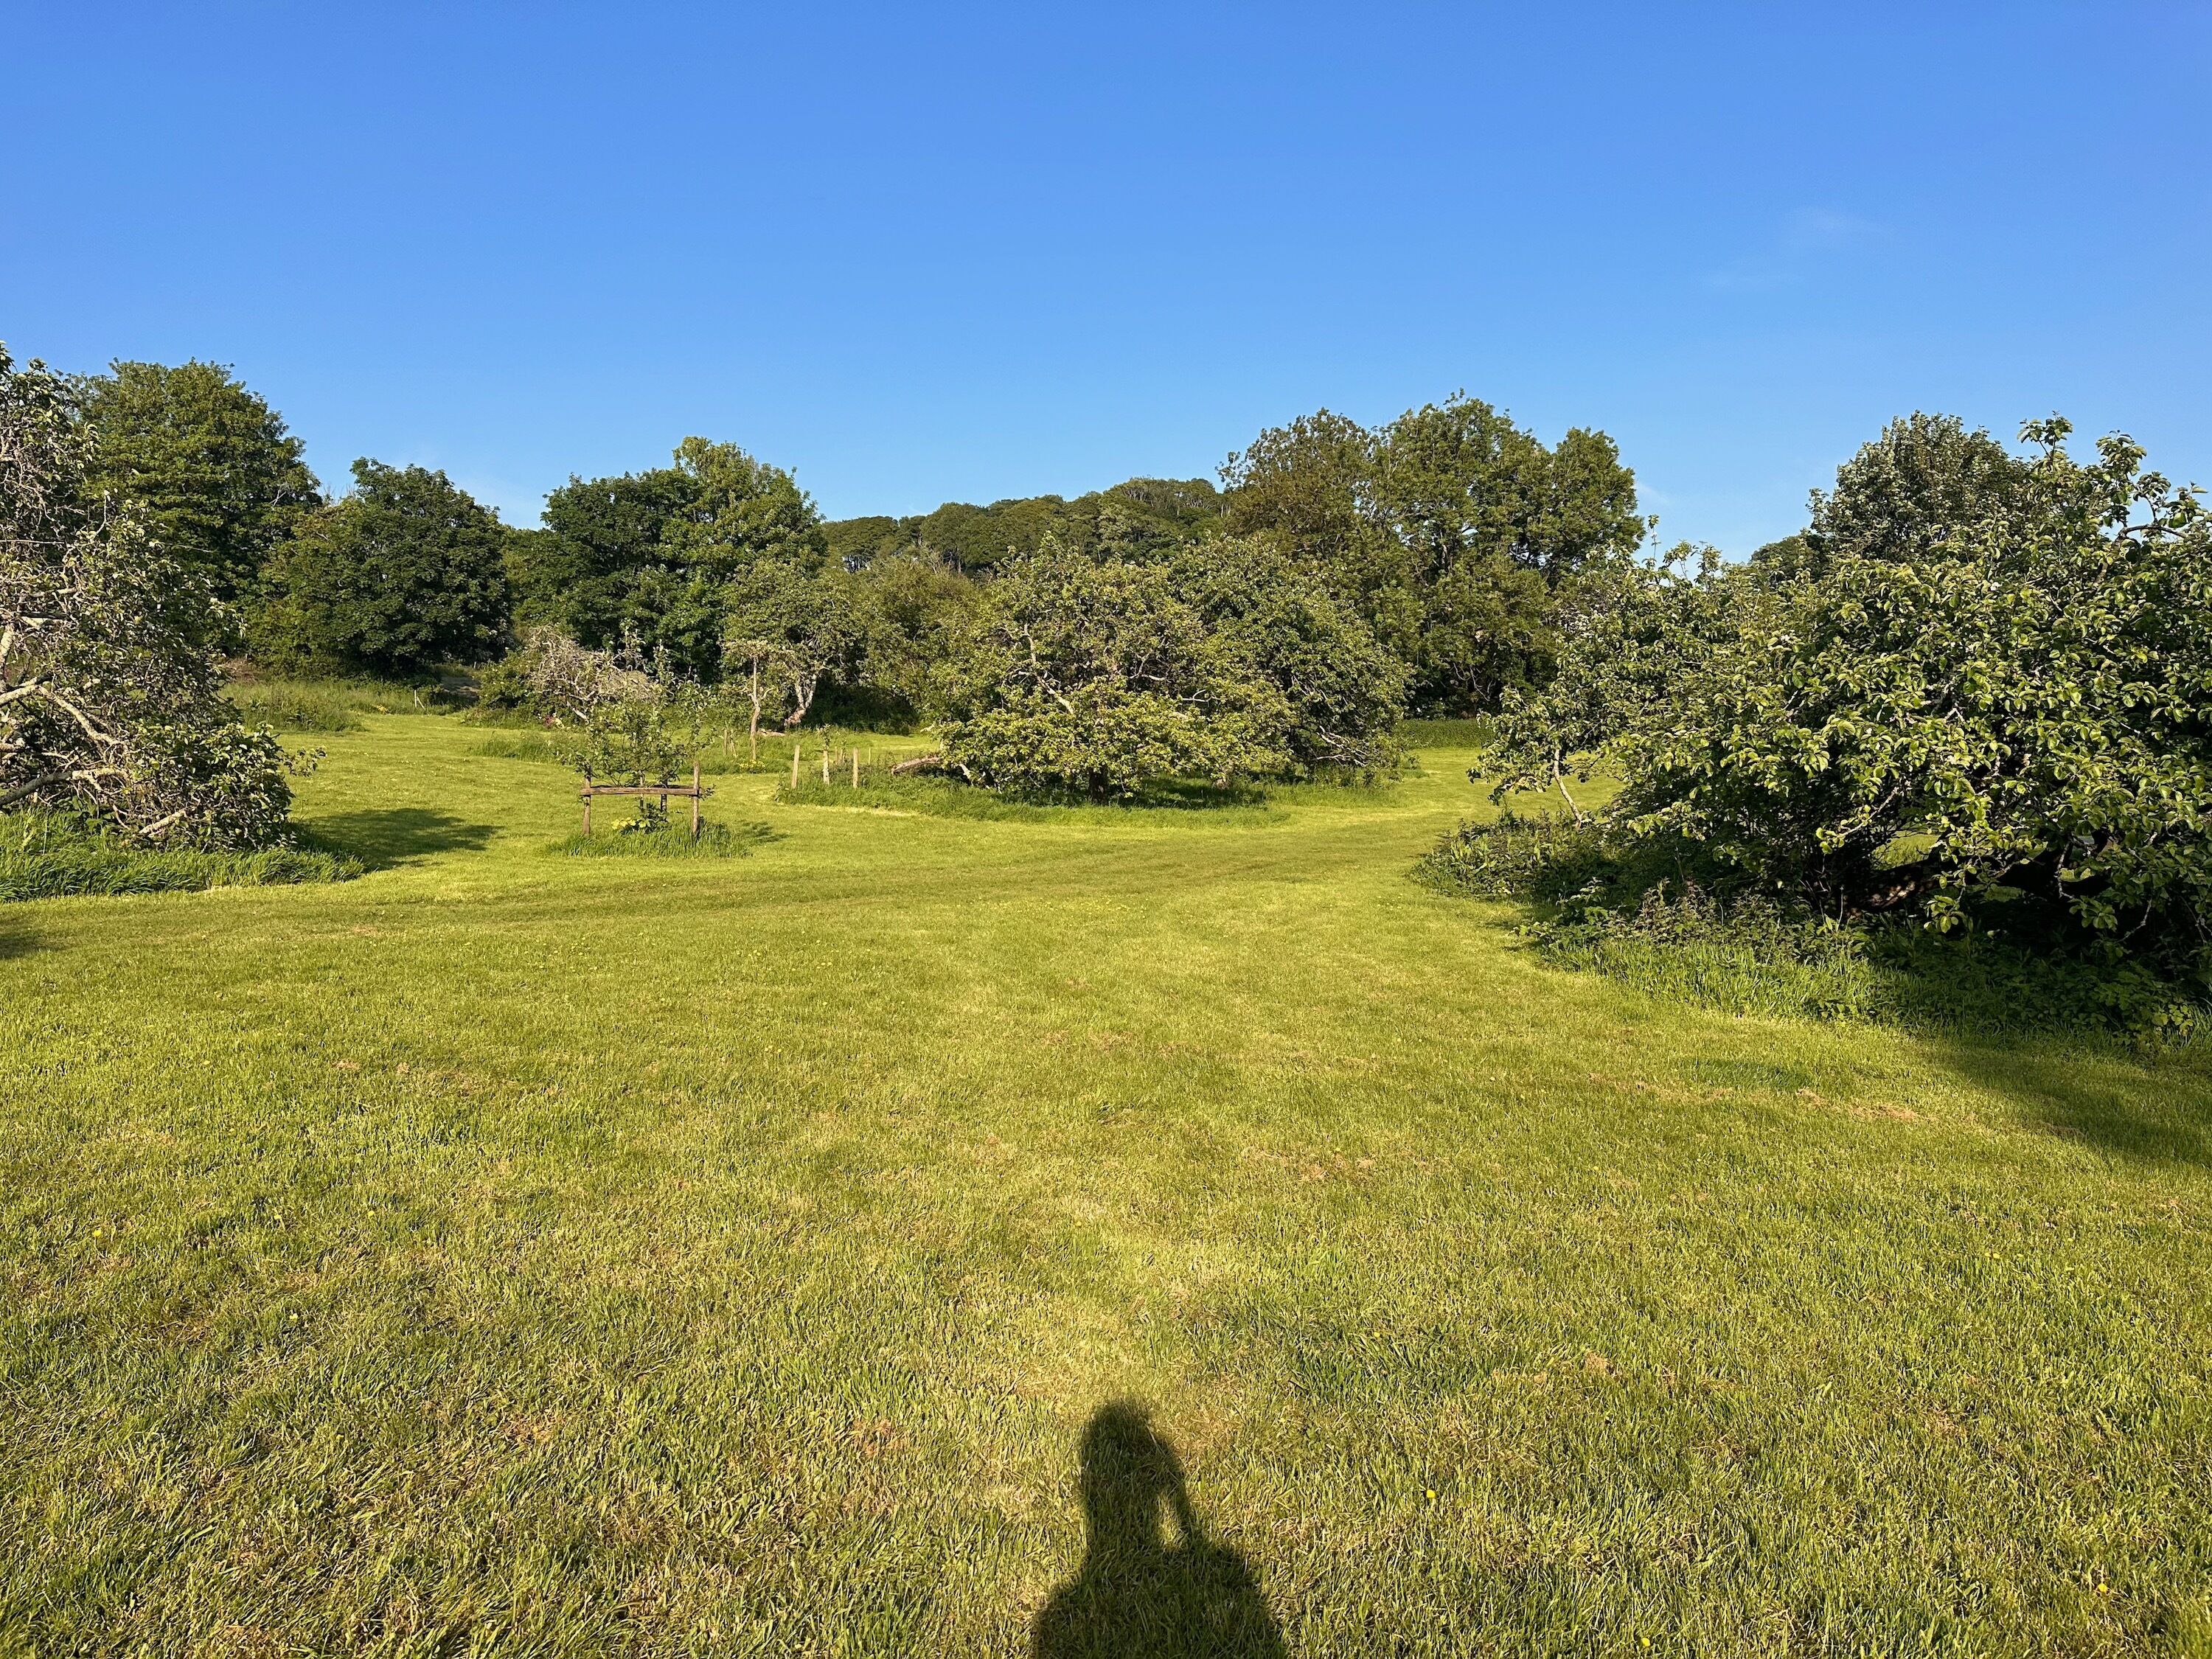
(578, 572)
(404, 574)
(642, 561)
(1098, 677)
(738, 512)
(1342, 691)
(206, 465)
(789, 628)
(913, 611)
(1981, 697)
(1454, 531)
(1151, 514)
(110, 703)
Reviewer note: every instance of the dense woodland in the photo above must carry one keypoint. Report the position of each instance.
(1974, 694)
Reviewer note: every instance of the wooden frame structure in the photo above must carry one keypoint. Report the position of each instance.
(695, 791)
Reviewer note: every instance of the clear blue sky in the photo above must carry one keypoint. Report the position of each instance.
(918, 256)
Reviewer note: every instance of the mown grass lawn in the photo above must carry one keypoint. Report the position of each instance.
(508, 1253)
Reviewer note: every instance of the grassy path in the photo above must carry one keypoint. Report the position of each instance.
(510, 1254)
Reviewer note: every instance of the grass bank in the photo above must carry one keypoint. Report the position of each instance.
(507, 1253)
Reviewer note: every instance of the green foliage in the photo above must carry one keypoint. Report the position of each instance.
(789, 628)
(1453, 531)
(204, 463)
(1136, 519)
(636, 741)
(1474, 733)
(1340, 691)
(62, 854)
(912, 610)
(738, 512)
(110, 700)
(1986, 704)
(403, 576)
(1643, 912)
(1511, 855)
(644, 562)
(937, 794)
(1101, 677)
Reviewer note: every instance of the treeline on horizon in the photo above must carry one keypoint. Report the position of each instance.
(1446, 537)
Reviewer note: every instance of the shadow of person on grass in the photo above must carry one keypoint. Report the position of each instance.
(382, 837)
(1138, 1596)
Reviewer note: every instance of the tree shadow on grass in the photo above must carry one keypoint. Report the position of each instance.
(1138, 1595)
(382, 837)
(16, 939)
(2156, 1108)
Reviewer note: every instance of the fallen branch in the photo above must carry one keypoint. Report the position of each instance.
(919, 763)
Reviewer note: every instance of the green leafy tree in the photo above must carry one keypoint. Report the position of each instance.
(913, 611)
(1099, 677)
(404, 574)
(1975, 699)
(788, 631)
(110, 700)
(1138, 516)
(206, 465)
(600, 536)
(1341, 692)
(1454, 531)
(738, 512)
(639, 562)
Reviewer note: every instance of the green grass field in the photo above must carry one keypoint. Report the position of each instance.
(514, 1253)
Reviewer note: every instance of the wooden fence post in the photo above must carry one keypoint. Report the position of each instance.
(794, 762)
(856, 769)
(695, 798)
(825, 760)
(588, 812)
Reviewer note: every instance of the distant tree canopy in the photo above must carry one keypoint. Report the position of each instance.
(1455, 533)
(640, 561)
(404, 574)
(206, 465)
(1978, 690)
(1140, 515)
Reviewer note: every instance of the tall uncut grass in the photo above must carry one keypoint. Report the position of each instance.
(58, 855)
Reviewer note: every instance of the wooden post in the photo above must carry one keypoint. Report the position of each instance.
(825, 760)
(588, 812)
(856, 769)
(695, 798)
(794, 762)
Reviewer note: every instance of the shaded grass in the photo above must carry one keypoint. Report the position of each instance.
(519, 1254)
(54, 855)
(1644, 922)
